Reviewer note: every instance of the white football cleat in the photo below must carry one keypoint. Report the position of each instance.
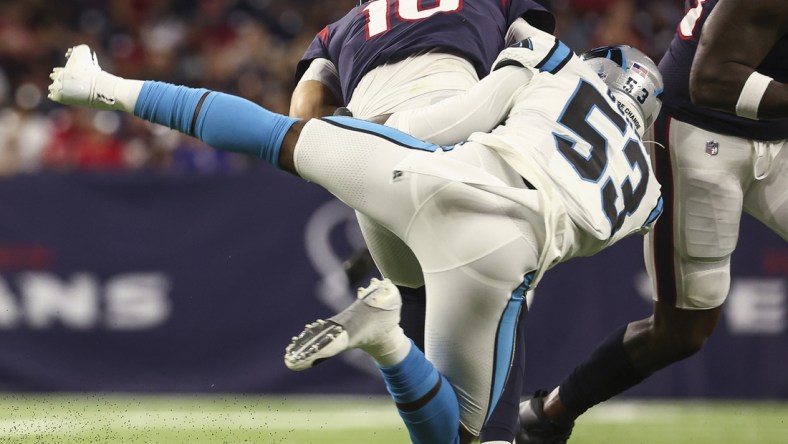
(77, 82)
(365, 324)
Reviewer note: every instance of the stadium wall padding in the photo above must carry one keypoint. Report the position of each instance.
(144, 282)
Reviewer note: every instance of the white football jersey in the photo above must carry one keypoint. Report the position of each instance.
(565, 135)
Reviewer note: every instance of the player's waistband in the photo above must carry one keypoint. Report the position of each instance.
(729, 124)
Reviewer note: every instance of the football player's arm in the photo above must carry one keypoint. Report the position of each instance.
(529, 16)
(318, 92)
(479, 109)
(735, 39)
(520, 30)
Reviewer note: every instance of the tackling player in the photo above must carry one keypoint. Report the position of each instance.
(389, 55)
(725, 128)
(563, 174)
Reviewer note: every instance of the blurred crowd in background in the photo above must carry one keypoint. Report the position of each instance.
(244, 47)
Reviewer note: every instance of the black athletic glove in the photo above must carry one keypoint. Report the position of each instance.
(342, 111)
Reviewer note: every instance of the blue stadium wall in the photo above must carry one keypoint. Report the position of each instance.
(168, 283)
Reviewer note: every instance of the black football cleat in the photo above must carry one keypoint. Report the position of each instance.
(536, 427)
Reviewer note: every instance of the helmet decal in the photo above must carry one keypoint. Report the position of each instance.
(633, 79)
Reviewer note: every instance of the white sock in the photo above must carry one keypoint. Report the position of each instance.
(391, 351)
(125, 92)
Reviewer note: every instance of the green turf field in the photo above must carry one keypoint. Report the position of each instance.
(341, 420)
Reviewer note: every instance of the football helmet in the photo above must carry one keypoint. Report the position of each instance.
(634, 80)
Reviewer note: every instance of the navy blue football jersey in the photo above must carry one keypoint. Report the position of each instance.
(382, 31)
(675, 67)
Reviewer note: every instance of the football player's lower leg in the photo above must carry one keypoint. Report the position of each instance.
(502, 424)
(607, 372)
(392, 350)
(630, 355)
(221, 120)
(425, 400)
(671, 335)
(414, 306)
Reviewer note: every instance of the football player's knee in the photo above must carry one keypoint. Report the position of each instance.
(704, 285)
(685, 343)
(705, 282)
(677, 340)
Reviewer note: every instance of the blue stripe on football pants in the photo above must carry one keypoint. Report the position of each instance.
(507, 329)
(386, 132)
(502, 423)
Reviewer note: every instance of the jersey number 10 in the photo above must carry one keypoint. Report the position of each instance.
(377, 13)
(689, 24)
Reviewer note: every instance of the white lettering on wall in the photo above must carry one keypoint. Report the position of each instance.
(137, 301)
(9, 312)
(49, 300)
(82, 301)
(757, 307)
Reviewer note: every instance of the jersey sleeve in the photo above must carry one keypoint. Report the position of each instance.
(323, 71)
(518, 31)
(480, 109)
(533, 12)
(318, 49)
(540, 51)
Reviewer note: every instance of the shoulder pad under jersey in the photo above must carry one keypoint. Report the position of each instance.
(543, 52)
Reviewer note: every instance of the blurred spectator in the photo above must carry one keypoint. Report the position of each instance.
(646, 24)
(84, 141)
(244, 47)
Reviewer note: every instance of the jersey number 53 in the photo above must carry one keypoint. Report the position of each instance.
(594, 166)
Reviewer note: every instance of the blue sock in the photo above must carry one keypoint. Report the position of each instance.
(221, 120)
(438, 420)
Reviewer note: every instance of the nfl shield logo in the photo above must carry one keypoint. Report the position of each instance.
(712, 148)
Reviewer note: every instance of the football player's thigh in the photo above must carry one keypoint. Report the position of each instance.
(470, 325)
(475, 257)
(392, 256)
(357, 166)
(767, 198)
(702, 223)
